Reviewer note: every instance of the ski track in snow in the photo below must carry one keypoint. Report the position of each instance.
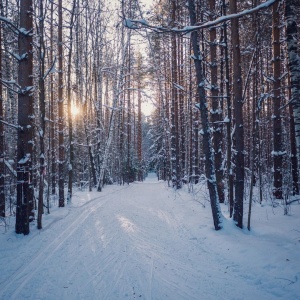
(141, 241)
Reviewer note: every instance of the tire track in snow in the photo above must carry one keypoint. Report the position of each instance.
(143, 241)
(25, 272)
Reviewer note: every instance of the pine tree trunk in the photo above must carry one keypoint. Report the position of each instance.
(128, 117)
(42, 114)
(139, 122)
(175, 155)
(291, 8)
(2, 146)
(238, 116)
(294, 161)
(52, 114)
(70, 121)
(166, 123)
(115, 104)
(207, 147)
(277, 126)
(181, 112)
(216, 110)
(25, 120)
(229, 116)
(61, 147)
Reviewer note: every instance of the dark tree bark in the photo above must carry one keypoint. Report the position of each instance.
(61, 146)
(2, 146)
(128, 116)
(70, 121)
(216, 111)
(238, 116)
(277, 126)
(291, 8)
(25, 120)
(175, 155)
(52, 115)
(166, 123)
(139, 120)
(207, 147)
(230, 176)
(42, 113)
(294, 161)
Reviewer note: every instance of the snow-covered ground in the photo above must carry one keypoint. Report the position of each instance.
(146, 241)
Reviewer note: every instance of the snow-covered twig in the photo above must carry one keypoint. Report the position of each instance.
(51, 69)
(18, 30)
(136, 24)
(8, 84)
(18, 127)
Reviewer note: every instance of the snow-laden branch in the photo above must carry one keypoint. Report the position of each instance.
(9, 83)
(18, 127)
(51, 69)
(136, 24)
(10, 168)
(22, 31)
(17, 56)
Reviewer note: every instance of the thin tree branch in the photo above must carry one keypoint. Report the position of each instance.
(17, 127)
(137, 24)
(19, 30)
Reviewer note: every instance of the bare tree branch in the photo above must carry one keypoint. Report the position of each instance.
(137, 24)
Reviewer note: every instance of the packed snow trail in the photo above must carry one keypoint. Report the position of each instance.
(141, 241)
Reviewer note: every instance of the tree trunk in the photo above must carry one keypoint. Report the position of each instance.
(61, 146)
(175, 155)
(25, 120)
(118, 87)
(70, 121)
(42, 114)
(2, 146)
(277, 127)
(52, 114)
(128, 117)
(294, 161)
(227, 80)
(238, 116)
(216, 110)
(139, 121)
(207, 147)
(291, 8)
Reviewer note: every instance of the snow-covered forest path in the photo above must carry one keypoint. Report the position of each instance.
(143, 241)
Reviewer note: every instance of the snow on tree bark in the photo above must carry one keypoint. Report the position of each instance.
(291, 7)
(25, 120)
(111, 128)
(2, 164)
(216, 113)
(42, 114)
(61, 147)
(238, 116)
(207, 146)
(277, 126)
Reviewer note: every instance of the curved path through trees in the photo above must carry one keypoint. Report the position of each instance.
(141, 241)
